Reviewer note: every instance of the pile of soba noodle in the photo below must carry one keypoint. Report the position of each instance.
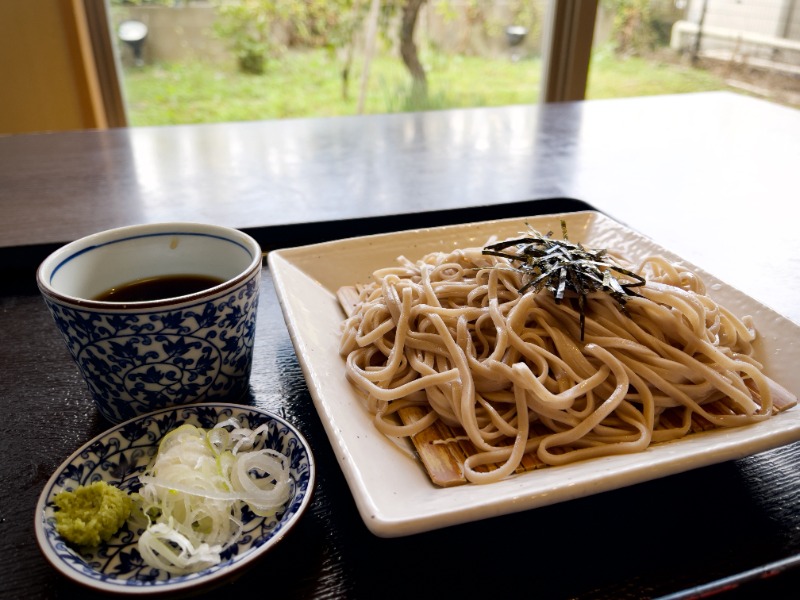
(452, 333)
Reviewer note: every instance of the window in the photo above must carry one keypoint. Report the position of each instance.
(208, 61)
(323, 61)
(645, 47)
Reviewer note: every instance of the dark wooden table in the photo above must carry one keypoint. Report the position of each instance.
(712, 177)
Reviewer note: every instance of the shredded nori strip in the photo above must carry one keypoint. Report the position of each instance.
(560, 266)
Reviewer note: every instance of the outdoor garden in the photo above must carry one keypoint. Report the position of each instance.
(267, 59)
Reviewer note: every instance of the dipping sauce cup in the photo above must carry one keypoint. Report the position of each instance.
(184, 332)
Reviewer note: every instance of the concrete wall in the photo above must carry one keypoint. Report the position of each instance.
(183, 32)
(778, 19)
(753, 16)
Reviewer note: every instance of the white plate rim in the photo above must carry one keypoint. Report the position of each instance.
(305, 279)
(217, 574)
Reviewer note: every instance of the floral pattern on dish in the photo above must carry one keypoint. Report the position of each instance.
(119, 455)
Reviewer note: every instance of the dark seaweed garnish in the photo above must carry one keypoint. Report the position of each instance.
(560, 266)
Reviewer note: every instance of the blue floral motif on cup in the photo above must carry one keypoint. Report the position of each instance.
(135, 363)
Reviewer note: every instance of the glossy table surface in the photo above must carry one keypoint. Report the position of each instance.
(712, 177)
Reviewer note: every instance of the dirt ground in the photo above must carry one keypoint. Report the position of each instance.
(774, 80)
(777, 86)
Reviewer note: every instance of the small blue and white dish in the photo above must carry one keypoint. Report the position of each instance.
(120, 455)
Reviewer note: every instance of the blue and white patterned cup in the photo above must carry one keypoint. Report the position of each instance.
(140, 356)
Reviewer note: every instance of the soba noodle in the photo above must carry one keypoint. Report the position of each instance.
(451, 333)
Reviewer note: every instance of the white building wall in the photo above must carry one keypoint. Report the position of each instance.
(766, 17)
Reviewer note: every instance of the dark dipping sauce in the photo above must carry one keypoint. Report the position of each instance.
(158, 288)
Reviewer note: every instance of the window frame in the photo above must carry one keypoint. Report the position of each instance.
(106, 62)
(568, 49)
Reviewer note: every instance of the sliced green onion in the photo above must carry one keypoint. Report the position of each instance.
(196, 487)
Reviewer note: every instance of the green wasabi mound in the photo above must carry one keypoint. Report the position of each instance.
(91, 513)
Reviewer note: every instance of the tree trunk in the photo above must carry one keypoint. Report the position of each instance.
(369, 51)
(408, 49)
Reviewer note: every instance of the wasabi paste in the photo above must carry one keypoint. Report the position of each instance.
(91, 513)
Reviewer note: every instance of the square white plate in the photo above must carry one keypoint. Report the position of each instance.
(392, 491)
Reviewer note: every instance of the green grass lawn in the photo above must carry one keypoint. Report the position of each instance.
(306, 84)
(614, 77)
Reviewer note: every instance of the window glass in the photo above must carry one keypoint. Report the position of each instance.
(194, 61)
(199, 61)
(645, 47)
